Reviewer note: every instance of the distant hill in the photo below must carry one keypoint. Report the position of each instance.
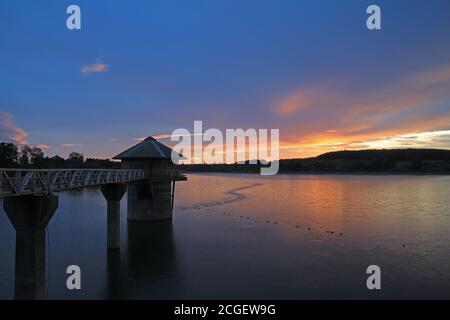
(350, 161)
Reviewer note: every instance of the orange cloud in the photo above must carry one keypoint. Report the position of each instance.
(309, 144)
(411, 91)
(167, 136)
(401, 107)
(9, 131)
(68, 145)
(433, 77)
(94, 68)
(303, 99)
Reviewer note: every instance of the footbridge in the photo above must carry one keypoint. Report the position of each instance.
(28, 182)
(30, 200)
(21, 182)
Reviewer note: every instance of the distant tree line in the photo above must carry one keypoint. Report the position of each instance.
(12, 156)
(360, 161)
(392, 160)
(389, 154)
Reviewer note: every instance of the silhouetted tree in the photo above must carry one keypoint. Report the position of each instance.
(25, 156)
(37, 157)
(56, 162)
(8, 155)
(100, 163)
(76, 160)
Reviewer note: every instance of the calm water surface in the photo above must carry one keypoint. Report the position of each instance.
(245, 236)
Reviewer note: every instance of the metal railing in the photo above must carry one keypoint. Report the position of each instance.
(15, 182)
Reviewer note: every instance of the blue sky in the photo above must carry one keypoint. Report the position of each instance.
(310, 68)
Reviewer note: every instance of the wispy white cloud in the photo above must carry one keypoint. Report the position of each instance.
(431, 139)
(9, 131)
(41, 146)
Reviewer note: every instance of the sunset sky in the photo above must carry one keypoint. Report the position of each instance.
(309, 68)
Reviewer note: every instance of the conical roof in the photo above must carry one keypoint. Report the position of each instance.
(148, 148)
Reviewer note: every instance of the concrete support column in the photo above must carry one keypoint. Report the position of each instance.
(30, 216)
(113, 193)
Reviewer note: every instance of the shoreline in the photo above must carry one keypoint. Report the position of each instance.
(323, 173)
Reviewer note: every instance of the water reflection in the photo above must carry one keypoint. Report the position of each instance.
(150, 259)
(323, 232)
(114, 271)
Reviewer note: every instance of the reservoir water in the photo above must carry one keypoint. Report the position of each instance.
(239, 236)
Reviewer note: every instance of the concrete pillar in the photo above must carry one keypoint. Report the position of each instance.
(30, 216)
(149, 201)
(113, 193)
